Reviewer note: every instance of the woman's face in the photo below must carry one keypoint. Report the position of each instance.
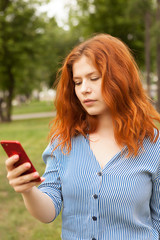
(88, 82)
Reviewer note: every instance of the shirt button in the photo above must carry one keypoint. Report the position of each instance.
(94, 218)
(99, 173)
(95, 196)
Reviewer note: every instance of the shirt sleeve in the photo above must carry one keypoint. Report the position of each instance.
(52, 184)
(155, 200)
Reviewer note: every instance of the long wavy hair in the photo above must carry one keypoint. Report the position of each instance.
(132, 112)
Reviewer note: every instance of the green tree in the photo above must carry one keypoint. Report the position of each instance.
(144, 11)
(56, 44)
(158, 50)
(32, 48)
(19, 38)
(109, 16)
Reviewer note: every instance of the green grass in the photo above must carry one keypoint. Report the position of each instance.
(15, 222)
(33, 107)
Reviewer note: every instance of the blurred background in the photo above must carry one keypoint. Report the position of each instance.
(35, 38)
(36, 35)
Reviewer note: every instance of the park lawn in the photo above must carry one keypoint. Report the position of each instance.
(15, 222)
(33, 107)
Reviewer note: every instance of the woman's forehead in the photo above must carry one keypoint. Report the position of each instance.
(84, 65)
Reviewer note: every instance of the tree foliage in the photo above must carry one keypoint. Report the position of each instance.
(31, 47)
(112, 17)
(18, 49)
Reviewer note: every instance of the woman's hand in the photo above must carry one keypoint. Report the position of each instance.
(24, 183)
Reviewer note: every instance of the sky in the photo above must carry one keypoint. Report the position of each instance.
(57, 8)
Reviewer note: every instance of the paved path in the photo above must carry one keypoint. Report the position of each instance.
(33, 115)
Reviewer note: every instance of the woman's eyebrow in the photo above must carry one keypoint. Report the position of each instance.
(87, 75)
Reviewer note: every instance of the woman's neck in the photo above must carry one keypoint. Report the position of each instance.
(105, 126)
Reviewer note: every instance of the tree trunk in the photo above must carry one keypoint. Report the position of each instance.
(1, 110)
(147, 50)
(10, 95)
(158, 55)
(5, 113)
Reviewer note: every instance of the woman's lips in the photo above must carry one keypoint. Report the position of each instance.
(89, 102)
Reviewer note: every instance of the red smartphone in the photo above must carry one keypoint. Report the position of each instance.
(14, 147)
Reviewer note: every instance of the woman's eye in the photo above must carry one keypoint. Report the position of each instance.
(94, 78)
(77, 83)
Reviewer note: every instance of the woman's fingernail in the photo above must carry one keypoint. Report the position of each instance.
(27, 165)
(35, 175)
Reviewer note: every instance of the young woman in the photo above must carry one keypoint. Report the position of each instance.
(103, 161)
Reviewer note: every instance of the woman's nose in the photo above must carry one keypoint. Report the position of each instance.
(85, 87)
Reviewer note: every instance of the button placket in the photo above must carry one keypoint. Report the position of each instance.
(94, 200)
(94, 215)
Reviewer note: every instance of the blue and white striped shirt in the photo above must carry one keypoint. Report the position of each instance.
(119, 202)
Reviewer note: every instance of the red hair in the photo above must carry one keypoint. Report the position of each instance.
(130, 107)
